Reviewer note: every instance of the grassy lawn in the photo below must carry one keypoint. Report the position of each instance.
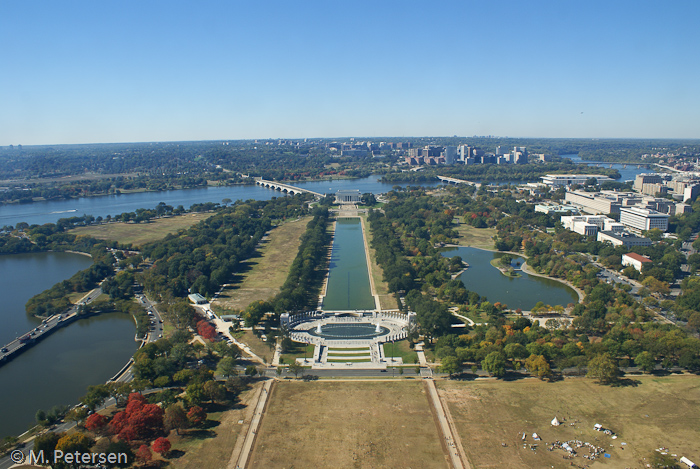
(386, 299)
(298, 352)
(257, 345)
(262, 277)
(212, 447)
(349, 359)
(401, 349)
(651, 413)
(475, 237)
(348, 424)
(139, 234)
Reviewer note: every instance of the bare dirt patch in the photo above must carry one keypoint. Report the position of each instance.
(262, 277)
(139, 234)
(349, 424)
(647, 414)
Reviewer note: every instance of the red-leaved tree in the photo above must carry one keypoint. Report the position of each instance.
(139, 420)
(206, 330)
(144, 453)
(196, 415)
(95, 422)
(161, 445)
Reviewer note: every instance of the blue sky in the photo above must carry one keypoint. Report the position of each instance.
(126, 71)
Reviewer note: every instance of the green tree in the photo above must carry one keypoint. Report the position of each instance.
(296, 368)
(645, 361)
(175, 418)
(450, 365)
(495, 364)
(603, 368)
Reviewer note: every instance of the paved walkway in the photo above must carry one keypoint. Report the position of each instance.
(241, 461)
(452, 442)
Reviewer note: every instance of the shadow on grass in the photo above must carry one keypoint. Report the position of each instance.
(201, 433)
(175, 454)
(626, 382)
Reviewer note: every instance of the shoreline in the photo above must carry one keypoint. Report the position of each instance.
(528, 270)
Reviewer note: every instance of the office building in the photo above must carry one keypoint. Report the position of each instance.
(643, 219)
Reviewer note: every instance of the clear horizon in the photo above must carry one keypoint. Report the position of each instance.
(82, 72)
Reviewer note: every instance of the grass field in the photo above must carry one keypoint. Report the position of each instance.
(475, 237)
(213, 447)
(401, 349)
(257, 345)
(650, 413)
(263, 276)
(348, 424)
(297, 352)
(139, 234)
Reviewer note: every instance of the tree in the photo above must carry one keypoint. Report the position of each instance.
(296, 368)
(603, 368)
(161, 446)
(450, 365)
(196, 416)
(495, 364)
(175, 418)
(144, 453)
(226, 367)
(47, 442)
(95, 423)
(538, 366)
(214, 391)
(645, 361)
(75, 442)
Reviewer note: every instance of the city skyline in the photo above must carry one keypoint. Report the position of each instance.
(84, 72)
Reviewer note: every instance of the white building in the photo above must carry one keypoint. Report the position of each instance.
(348, 196)
(622, 239)
(635, 260)
(558, 180)
(643, 219)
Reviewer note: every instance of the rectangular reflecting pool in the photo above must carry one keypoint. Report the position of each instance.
(348, 283)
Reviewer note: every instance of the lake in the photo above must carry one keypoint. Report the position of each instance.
(522, 292)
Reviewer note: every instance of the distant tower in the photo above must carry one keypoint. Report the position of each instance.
(450, 155)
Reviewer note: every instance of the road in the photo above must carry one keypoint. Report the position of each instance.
(47, 326)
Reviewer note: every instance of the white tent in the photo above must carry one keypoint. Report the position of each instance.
(555, 422)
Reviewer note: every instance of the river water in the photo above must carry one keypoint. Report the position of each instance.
(51, 211)
(627, 172)
(58, 369)
(348, 281)
(522, 292)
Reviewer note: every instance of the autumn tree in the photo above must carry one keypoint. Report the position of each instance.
(538, 366)
(95, 423)
(144, 454)
(75, 442)
(139, 420)
(196, 416)
(161, 446)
